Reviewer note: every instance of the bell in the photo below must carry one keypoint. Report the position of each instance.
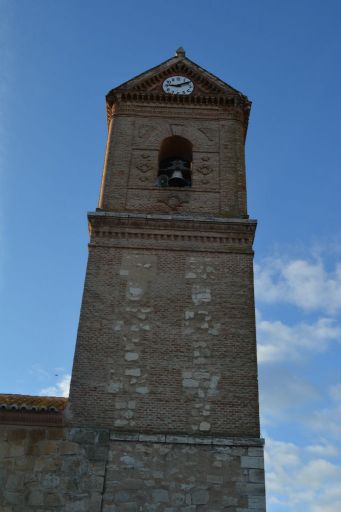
(177, 179)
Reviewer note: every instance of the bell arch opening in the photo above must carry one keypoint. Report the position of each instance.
(175, 162)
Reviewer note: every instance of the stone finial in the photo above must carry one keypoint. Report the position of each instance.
(180, 52)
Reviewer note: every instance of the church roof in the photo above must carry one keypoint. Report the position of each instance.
(28, 410)
(185, 64)
(148, 85)
(32, 403)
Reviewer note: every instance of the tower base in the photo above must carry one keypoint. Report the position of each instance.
(98, 470)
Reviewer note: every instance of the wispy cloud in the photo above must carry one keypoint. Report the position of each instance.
(303, 476)
(61, 388)
(335, 392)
(306, 476)
(285, 397)
(327, 421)
(299, 481)
(278, 341)
(304, 283)
(323, 449)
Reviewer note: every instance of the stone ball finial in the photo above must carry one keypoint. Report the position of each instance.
(180, 52)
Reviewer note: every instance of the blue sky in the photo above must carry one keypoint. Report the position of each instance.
(59, 59)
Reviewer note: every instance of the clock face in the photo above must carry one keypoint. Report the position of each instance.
(178, 85)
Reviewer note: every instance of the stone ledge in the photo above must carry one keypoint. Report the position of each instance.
(172, 231)
(158, 216)
(186, 439)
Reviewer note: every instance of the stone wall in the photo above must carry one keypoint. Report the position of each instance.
(183, 473)
(95, 470)
(52, 469)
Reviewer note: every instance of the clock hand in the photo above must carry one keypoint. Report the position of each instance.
(179, 85)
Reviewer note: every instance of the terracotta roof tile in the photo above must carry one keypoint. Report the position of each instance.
(11, 402)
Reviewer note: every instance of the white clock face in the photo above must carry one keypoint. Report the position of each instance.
(178, 85)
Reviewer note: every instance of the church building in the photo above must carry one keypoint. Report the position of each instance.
(163, 411)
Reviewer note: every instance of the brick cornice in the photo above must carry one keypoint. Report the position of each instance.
(28, 418)
(220, 105)
(171, 232)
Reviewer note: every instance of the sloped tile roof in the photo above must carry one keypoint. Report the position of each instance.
(30, 403)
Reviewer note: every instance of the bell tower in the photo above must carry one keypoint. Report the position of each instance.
(166, 348)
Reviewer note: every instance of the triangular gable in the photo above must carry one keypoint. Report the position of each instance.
(149, 82)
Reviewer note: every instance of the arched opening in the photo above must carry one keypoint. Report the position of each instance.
(175, 162)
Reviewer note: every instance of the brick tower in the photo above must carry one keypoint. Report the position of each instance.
(166, 349)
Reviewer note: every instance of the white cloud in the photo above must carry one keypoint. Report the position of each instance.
(328, 420)
(335, 392)
(284, 396)
(298, 481)
(324, 449)
(278, 341)
(303, 283)
(300, 477)
(60, 389)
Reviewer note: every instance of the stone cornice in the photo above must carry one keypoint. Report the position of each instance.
(171, 232)
(187, 439)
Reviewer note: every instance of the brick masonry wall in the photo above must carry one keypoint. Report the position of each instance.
(96, 470)
(218, 165)
(166, 339)
(166, 349)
